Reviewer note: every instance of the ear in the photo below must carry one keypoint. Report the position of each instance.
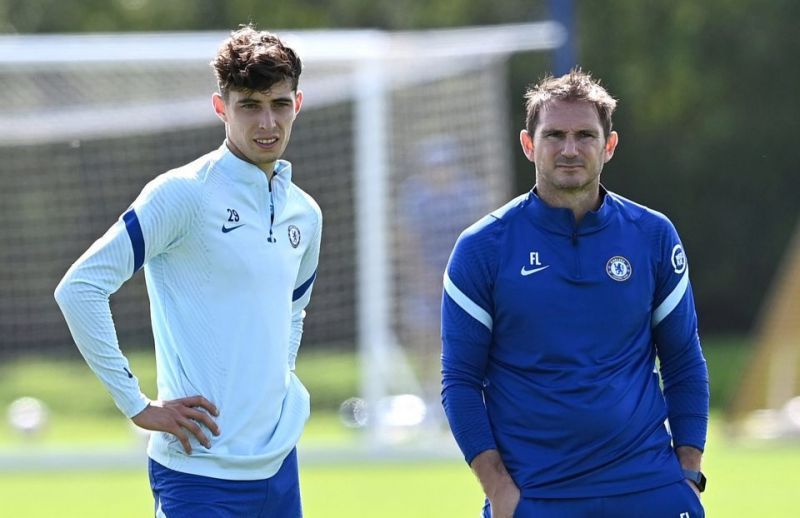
(298, 101)
(526, 141)
(611, 145)
(219, 107)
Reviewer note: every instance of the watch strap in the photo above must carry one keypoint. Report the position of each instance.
(697, 478)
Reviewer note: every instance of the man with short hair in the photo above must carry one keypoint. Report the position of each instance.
(555, 310)
(230, 248)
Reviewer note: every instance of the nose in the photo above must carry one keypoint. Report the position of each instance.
(267, 120)
(570, 148)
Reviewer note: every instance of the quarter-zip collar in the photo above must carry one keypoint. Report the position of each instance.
(562, 220)
(241, 171)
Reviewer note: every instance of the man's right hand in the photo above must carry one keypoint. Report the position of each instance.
(497, 484)
(179, 417)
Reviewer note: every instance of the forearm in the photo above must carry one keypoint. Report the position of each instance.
(689, 457)
(687, 407)
(467, 417)
(295, 336)
(686, 386)
(301, 296)
(488, 466)
(88, 315)
(497, 484)
(686, 390)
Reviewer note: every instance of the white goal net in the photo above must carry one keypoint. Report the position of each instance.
(403, 141)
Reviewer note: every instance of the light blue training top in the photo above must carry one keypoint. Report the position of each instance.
(230, 258)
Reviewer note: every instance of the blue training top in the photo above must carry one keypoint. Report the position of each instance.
(550, 336)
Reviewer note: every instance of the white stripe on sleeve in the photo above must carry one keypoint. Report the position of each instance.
(465, 303)
(671, 302)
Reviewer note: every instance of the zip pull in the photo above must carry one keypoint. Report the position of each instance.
(574, 237)
(271, 238)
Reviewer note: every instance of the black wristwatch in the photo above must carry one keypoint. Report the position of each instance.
(697, 478)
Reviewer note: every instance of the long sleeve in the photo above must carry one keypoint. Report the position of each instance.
(466, 339)
(150, 226)
(682, 366)
(301, 295)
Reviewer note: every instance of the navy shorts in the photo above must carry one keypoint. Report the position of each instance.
(676, 500)
(181, 495)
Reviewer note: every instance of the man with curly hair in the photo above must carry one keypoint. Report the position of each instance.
(229, 246)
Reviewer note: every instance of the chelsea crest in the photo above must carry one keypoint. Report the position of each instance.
(294, 236)
(619, 268)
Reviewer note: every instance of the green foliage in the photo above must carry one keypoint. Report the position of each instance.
(707, 109)
(149, 15)
(707, 116)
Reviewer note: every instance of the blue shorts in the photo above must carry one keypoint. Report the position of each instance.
(676, 500)
(181, 495)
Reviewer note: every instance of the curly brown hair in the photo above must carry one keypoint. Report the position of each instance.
(253, 61)
(576, 85)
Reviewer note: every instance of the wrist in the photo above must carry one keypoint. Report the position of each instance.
(491, 472)
(497, 484)
(695, 477)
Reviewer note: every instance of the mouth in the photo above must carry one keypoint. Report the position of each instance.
(266, 143)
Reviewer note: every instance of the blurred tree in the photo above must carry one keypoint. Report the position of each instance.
(708, 113)
(708, 110)
(33, 16)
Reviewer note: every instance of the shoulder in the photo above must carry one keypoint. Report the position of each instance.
(656, 230)
(183, 184)
(481, 240)
(306, 202)
(640, 214)
(174, 198)
(493, 224)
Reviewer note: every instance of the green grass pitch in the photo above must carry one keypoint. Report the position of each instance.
(745, 478)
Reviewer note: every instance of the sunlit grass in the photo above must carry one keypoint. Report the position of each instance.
(745, 478)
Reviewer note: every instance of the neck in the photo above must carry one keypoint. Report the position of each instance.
(268, 168)
(579, 201)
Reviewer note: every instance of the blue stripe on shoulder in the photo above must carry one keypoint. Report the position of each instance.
(299, 292)
(137, 238)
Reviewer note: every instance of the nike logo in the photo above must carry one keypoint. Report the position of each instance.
(225, 229)
(525, 272)
(127, 372)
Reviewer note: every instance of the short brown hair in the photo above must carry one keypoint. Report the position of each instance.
(576, 85)
(254, 61)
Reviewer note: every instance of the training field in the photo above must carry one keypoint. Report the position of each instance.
(745, 478)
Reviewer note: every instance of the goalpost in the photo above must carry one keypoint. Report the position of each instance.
(403, 140)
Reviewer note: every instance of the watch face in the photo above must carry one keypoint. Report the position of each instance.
(701, 483)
